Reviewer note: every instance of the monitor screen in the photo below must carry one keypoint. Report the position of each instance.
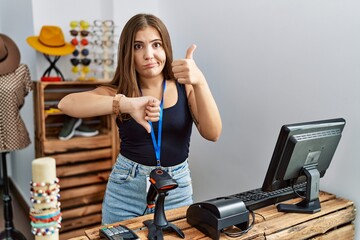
(303, 153)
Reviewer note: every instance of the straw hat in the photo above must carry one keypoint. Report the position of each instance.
(51, 41)
(9, 55)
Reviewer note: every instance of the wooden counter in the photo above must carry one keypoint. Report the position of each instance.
(334, 221)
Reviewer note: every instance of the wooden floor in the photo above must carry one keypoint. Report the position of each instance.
(20, 217)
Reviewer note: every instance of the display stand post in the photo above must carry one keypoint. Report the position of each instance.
(10, 232)
(52, 67)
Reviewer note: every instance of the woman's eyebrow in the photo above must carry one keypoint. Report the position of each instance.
(154, 40)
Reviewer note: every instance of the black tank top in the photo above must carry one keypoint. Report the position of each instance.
(136, 143)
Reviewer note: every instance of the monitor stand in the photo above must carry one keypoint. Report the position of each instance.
(311, 204)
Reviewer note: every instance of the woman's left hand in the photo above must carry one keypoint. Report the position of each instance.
(186, 71)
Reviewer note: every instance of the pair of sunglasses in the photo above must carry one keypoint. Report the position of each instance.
(84, 52)
(82, 42)
(105, 23)
(75, 33)
(107, 61)
(101, 33)
(82, 61)
(84, 69)
(104, 43)
(82, 24)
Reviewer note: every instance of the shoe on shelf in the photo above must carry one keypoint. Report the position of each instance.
(68, 129)
(85, 131)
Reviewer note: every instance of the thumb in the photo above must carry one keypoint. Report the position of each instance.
(190, 51)
(146, 125)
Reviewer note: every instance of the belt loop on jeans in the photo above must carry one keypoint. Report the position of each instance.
(133, 169)
(169, 170)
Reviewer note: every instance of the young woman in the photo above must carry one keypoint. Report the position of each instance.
(155, 101)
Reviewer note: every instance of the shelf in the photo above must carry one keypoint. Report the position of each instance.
(83, 164)
(51, 146)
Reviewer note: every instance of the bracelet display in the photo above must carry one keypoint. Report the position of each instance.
(116, 104)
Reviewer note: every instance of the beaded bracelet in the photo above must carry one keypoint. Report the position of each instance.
(49, 215)
(45, 231)
(58, 204)
(47, 191)
(43, 184)
(46, 225)
(44, 211)
(45, 220)
(44, 193)
(45, 200)
(116, 105)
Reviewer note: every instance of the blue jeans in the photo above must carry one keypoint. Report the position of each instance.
(126, 190)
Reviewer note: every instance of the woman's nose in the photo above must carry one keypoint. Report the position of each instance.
(148, 54)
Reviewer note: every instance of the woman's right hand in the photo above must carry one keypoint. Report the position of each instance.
(142, 109)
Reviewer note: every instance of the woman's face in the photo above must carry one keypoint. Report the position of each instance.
(149, 54)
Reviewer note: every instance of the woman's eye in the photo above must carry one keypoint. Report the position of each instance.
(137, 46)
(157, 44)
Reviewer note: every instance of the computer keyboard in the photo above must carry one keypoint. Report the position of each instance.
(256, 198)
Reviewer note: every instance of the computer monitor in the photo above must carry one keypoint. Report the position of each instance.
(303, 153)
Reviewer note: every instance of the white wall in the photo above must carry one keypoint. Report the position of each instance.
(268, 63)
(16, 22)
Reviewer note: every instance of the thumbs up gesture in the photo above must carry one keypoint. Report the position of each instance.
(185, 70)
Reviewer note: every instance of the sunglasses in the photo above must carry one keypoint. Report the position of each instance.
(107, 61)
(102, 33)
(83, 33)
(84, 52)
(83, 24)
(83, 61)
(98, 70)
(105, 23)
(83, 42)
(102, 43)
(84, 69)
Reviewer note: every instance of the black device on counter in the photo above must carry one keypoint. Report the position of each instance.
(212, 216)
(161, 184)
(303, 153)
(119, 232)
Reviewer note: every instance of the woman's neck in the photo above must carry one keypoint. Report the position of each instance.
(151, 83)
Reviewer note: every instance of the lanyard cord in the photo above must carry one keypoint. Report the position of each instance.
(157, 144)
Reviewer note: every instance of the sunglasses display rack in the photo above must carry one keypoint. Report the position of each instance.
(103, 49)
(80, 60)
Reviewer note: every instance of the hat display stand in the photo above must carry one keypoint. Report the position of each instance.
(45, 214)
(51, 42)
(10, 232)
(46, 76)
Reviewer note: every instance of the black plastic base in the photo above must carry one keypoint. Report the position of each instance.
(156, 232)
(12, 235)
(301, 207)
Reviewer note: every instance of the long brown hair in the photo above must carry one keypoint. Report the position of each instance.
(125, 77)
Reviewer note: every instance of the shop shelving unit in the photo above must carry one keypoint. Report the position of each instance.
(83, 164)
